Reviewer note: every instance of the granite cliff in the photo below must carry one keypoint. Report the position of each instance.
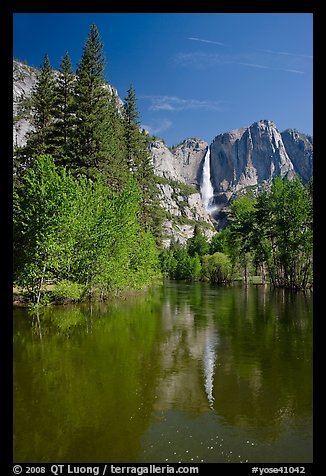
(24, 79)
(253, 157)
(246, 157)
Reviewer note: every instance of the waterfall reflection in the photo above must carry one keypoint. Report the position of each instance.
(209, 361)
(188, 361)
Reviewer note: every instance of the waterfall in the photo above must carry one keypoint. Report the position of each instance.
(206, 188)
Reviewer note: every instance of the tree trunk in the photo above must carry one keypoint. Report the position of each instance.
(41, 282)
(245, 271)
(263, 273)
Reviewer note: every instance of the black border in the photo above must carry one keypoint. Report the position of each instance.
(6, 54)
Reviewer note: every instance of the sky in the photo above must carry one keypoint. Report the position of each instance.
(194, 74)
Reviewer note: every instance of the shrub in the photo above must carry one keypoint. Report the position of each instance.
(67, 290)
(217, 268)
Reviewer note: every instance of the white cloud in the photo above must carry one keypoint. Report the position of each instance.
(197, 59)
(260, 66)
(176, 104)
(158, 127)
(202, 60)
(286, 53)
(207, 41)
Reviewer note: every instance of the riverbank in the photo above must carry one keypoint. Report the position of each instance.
(51, 297)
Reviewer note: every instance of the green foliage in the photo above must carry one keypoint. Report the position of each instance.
(276, 229)
(198, 244)
(80, 231)
(92, 107)
(41, 221)
(220, 242)
(187, 266)
(68, 290)
(176, 263)
(217, 268)
(168, 262)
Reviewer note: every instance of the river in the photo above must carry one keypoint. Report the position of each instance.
(182, 373)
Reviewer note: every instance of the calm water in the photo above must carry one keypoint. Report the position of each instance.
(185, 373)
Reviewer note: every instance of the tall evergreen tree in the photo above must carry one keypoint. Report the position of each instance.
(93, 102)
(140, 164)
(64, 125)
(132, 130)
(41, 118)
(198, 243)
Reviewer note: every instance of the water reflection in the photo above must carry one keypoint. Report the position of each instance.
(209, 366)
(188, 372)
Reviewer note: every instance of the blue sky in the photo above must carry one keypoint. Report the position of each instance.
(195, 74)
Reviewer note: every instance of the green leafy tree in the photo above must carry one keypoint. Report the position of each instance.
(196, 267)
(244, 232)
(217, 268)
(275, 230)
(79, 231)
(168, 262)
(221, 242)
(291, 209)
(42, 225)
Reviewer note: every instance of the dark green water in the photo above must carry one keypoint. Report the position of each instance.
(185, 373)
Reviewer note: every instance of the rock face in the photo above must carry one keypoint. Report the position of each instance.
(299, 148)
(24, 79)
(184, 210)
(252, 157)
(189, 160)
(181, 170)
(183, 163)
(246, 157)
(164, 161)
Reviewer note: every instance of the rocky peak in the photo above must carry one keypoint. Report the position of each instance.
(248, 156)
(264, 124)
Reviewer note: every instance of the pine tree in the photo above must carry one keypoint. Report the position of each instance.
(64, 126)
(41, 105)
(93, 101)
(198, 243)
(132, 130)
(140, 164)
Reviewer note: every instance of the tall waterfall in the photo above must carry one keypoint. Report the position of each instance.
(206, 188)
